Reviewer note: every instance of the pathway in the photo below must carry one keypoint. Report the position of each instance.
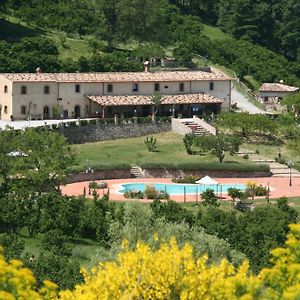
(243, 103)
(277, 169)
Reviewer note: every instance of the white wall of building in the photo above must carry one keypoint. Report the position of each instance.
(64, 95)
(5, 98)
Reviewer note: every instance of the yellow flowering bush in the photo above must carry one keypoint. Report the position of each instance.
(169, 272)
(17, 282)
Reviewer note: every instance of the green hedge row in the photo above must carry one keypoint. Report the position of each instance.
(207, 166)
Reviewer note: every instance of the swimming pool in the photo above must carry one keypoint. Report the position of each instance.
(180, 189)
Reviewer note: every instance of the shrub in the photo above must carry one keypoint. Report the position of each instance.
(83, 123)
(186, 179)
(246, 156)
(92, 122)
(150, 143)
(134, 194)
(163, 195)
(256, 151)
(209, 198)
(261, 191)
(150, 192)
(72, 124)
(188, 141)
(281, 160)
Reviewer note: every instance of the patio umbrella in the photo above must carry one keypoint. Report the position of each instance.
(206, 181)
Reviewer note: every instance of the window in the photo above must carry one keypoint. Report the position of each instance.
(135, 87)
(156, 87)
(46, 89)
(110, 88)
(211, 86)
(5, 89)
(5, 109)
(181, 87)
(77, 88)
(166, 87)
(23, 90)
(23, 110)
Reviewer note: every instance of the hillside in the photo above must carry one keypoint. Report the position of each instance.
(82, 35)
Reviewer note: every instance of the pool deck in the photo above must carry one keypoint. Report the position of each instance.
(279, 187)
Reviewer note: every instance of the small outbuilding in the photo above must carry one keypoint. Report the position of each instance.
(273, 93)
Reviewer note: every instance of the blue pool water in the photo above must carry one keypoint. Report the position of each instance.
(178, 189)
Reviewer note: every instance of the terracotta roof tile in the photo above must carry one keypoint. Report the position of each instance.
(163, 76)
(147, 100)
(277, 87)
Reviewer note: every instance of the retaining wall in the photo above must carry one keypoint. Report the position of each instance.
(101, 132)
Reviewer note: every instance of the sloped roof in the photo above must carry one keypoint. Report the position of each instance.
(162, 76)
(147, 100)
(277, 87)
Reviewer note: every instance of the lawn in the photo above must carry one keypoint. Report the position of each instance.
(170, 149)
(272, 151)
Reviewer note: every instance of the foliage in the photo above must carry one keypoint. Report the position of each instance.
(292, 102)
(218, 145)
(150, 192)
(19, 282)
(188, 141)
(12, 244)
(235, 193)
(253, 232)
(133, 194)
(185, 276)
(151, 143)
(209, 198)
(57, 268)
(186, 179)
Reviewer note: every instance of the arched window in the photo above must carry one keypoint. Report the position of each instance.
(23, 90)
(5, 89)
(46, 89)
(5, 109)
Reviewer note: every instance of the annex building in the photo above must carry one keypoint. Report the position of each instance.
(81, 95)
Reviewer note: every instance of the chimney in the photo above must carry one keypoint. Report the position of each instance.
(38, 70)
(147, 65)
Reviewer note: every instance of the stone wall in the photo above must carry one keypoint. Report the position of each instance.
(94, 133)
(160, 173)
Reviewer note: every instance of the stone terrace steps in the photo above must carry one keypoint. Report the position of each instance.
(137, 172)
(277, 169)
(196, 128)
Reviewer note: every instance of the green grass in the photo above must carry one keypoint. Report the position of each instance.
(170, 151)
(271, 151)
(70, 48)
(252, 83)
(215, 33)
(83, 249)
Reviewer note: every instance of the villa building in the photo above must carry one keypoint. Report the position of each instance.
(80, 95)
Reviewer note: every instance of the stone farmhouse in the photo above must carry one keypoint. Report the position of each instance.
(103, 95)
(273, 93)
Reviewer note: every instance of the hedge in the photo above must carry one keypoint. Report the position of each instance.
(207, 166)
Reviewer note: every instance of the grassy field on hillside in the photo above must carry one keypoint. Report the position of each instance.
(170, 149)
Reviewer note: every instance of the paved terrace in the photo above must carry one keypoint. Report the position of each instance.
(279, 187)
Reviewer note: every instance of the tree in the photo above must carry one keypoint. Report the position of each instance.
(218, 145)
(292, 102)
(209, 198)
